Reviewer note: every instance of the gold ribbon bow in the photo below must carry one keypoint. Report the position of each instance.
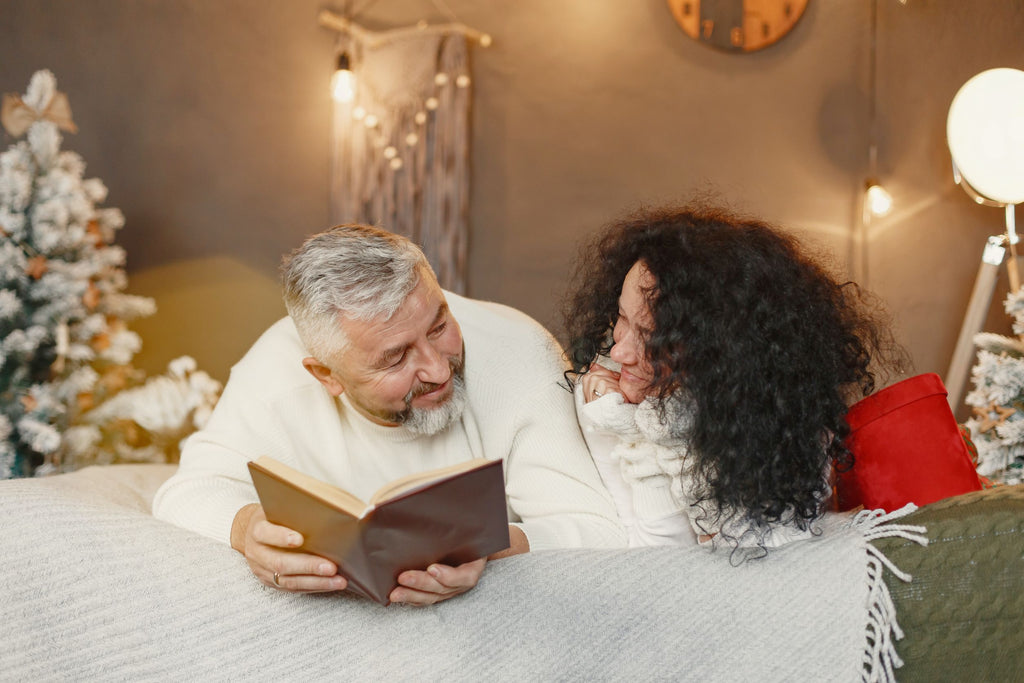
(17, 116)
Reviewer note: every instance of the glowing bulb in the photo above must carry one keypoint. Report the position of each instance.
(343, 83)
(432, 103)
(390, 152)
(358, 113)
(411, 139)
(462, 81)
(878, 199)
(396, 163)
(441, 79)
(343, 86)
(421, 117)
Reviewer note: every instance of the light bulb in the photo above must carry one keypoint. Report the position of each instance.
(878, 199)
(343, 83)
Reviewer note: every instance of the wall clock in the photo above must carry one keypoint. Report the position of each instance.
(737, 25)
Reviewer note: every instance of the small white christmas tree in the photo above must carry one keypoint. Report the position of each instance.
(997, 400)
(65, 344)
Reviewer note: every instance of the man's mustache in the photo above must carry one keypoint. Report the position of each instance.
(457, 364)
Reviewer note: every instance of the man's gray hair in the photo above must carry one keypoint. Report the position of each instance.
(351, 271)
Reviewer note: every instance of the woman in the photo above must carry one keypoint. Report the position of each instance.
(718, 413)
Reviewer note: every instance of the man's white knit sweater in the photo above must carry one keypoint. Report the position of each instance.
(516, 410)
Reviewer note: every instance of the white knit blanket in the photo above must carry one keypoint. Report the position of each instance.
(92, 587)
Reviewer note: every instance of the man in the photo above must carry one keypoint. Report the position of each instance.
(377, 373)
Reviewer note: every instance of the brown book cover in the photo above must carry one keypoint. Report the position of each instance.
(451, 515)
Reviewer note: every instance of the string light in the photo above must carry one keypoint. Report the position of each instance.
(343, 89)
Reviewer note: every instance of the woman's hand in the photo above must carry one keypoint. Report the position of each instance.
(599, 381)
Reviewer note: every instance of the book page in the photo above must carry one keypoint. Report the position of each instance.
(328, 493)
(412, 481)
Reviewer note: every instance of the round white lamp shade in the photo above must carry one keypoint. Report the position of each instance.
(985, 132)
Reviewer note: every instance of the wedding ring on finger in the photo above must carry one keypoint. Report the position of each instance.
(597, 394)
(277, 576)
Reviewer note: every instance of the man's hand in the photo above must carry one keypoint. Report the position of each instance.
(440, 582)
(271, 553)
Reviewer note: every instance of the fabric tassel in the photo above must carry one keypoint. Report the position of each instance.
(883, 630)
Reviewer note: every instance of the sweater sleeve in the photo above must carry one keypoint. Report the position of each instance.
(638, 473)
(601, 443)
(553, 485)
(526, 415)
(658, 519)
(212, 482)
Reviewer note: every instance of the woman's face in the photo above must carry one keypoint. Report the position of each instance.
(631, 329)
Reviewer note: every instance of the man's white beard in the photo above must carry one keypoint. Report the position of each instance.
(430, 421)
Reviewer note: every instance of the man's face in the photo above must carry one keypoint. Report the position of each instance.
(405, 369)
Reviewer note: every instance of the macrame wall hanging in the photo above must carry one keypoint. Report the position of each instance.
(400, 156)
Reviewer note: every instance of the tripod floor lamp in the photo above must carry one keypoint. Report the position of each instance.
(985, 133)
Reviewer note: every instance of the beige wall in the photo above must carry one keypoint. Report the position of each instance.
(208, 120)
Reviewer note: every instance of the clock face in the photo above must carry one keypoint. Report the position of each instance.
(737, 25)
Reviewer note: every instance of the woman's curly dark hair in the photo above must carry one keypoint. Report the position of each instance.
(767, 346)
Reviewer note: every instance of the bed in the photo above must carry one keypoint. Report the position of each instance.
(94, 588)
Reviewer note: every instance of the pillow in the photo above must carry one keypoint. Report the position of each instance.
(963, 610)
(907, 448)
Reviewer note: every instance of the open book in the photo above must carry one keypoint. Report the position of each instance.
(450, 515)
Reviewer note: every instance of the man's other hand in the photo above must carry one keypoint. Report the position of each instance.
(272, 554)
(438, 582)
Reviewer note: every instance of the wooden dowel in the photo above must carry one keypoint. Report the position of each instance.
(335, 22)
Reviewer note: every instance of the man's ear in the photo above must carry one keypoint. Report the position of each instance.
(323, 374)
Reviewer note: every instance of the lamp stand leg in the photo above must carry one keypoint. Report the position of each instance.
(974, 319)
(1011, 239)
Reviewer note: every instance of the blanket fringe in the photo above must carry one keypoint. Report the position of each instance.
(882, 630)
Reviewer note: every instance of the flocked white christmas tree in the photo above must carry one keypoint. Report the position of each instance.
(997, 400)
(66, 349)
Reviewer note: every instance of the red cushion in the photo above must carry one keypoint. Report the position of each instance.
(907, 448)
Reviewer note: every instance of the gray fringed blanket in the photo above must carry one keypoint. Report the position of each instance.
(94, 588)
